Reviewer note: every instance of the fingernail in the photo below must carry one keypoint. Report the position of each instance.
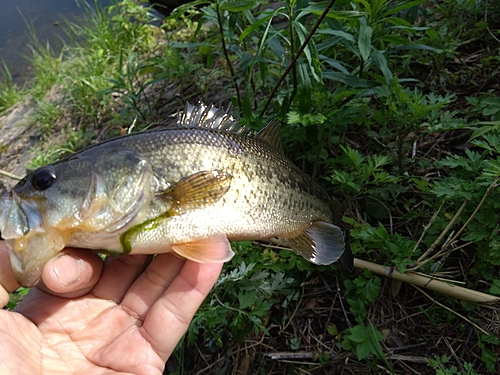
(67, 269)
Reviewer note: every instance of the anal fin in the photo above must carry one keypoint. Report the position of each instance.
(211, 250)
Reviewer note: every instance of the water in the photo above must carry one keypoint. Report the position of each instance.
(45, 17)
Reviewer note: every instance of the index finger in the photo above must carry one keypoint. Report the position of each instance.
(170, 316)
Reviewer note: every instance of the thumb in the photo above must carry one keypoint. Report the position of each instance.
(72, 273)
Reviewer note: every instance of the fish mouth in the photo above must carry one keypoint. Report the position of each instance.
(21, 228)
(27, 272)
(27, 265)
(18, 217)
(13, 220)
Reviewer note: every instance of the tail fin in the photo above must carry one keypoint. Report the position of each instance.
(321, 243)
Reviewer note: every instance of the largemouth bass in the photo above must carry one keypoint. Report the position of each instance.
(187, 188)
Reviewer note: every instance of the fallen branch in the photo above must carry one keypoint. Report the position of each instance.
(430, 283)
(292, 355)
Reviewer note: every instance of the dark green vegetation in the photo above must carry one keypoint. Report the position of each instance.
(393, 106)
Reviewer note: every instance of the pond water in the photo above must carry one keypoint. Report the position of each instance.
(42, 16)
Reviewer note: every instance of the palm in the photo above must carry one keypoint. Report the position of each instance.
(130, 322)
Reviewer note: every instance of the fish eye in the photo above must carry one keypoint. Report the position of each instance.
(43, 178)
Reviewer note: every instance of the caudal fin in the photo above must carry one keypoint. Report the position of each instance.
(321, 243)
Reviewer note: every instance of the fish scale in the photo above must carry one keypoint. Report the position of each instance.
(187, 188)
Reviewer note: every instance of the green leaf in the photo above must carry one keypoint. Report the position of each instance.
(369, 289)
(335, 64)
(453, 188)
(348, 79)
(305, 86)
(363, 341)
(191, 45)
(342, 34)
(482, 25)
(457, 161)
(492, 168)
(294, 343)
(256, 24)
(489, 358)
(380, 61)
(358, 334)
(318, 9)
(365, 41)
(405, 5)
(345, 178)
(332, 329)
(309, 51)
(491, 339)
(410, 47)
(363, 350)
(489, 126)
(182, 9)
(495, 287)
(237, 6)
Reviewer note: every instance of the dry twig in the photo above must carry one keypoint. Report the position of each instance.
(9, 175)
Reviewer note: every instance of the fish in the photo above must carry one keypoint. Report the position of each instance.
(187, 188)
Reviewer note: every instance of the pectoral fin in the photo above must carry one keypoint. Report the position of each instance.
(321, 243)
(192, 192)
(211, 250)
(197, 190)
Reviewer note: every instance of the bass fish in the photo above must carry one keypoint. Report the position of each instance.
(187, 188)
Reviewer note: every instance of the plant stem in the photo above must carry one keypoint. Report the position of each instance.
(299, 52)
(226, 54)
(493, 185)
(292, 49)
(421, 260)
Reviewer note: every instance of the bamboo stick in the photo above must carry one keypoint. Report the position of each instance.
(429, 283)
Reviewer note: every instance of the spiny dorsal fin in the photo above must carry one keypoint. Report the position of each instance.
(210, 117)
(271, 135)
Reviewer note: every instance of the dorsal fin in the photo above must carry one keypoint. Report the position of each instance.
(271, 134)
(210, 117)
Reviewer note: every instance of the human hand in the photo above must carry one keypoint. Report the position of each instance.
(126, 320)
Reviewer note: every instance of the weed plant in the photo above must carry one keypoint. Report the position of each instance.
(10, 93)
(374, 134)
(392, 106)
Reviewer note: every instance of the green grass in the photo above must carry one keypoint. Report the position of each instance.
(10, 93)
(392, 107)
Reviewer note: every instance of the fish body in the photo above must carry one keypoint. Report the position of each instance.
(181, 188)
